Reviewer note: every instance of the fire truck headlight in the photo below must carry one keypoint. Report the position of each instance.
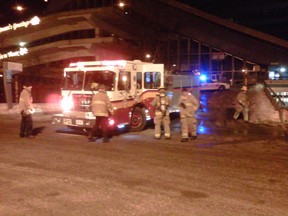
(67, 104)
(111, 122)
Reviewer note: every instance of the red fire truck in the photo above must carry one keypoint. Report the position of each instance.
(131, 86)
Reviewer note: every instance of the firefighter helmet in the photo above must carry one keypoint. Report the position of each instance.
(94, 85)
(244, 88)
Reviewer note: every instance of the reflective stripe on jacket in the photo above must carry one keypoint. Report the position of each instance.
(101, 105)
(25, 100)
(158, 101)
(241, 101)
(191, 105)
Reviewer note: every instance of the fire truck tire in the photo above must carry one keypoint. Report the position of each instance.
(138, 120)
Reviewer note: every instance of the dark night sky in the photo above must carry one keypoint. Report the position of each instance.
(269, 17)
(9, 15)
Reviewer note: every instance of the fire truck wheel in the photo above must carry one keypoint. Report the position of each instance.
(138, 120)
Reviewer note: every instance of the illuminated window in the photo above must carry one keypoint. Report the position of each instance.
(74, 81)
(139, 80)
(95, 78)
(152, 80)
(124, 80)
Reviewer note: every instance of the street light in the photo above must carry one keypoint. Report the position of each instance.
(121, 4)
(22, 44)
(282, 69)
(147, 57)
(19, 8)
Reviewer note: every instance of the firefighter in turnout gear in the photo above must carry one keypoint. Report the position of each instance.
(102, 109)
(161, 103)
(26, 108)
(188, 105)
(242, 104)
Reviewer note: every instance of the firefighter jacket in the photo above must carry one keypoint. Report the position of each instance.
(161, 103)
(25, 100)
(188, 105)
(241, 101)
(101, 105)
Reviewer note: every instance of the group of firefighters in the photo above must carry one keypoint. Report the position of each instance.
(102, 108)
(188, 105)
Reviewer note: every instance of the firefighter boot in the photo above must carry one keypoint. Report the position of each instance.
(91, 136)
(105, 140)
(184, 140)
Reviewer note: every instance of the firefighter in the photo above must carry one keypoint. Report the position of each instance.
(26, 111)
(102, 109)
(242, 104)
(161, 103)
(188, 105)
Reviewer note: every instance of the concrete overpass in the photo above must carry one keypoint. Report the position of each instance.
(119, 33)
(158, 27)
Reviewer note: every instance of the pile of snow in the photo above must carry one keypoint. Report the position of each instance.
(261, 110)
(39, 108)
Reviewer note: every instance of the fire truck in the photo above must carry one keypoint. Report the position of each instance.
(131, 86)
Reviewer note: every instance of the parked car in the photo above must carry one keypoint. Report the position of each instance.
(214, 85)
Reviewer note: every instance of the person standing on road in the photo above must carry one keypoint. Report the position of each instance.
(242, 104)
(161, 103)
(26, 111)
(188, 105)
(102, 109)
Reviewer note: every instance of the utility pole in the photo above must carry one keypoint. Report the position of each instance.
(10, 69)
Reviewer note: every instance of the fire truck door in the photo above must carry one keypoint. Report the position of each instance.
(124, 87)
(159, 68)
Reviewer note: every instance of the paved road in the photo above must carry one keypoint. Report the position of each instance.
(235, 169)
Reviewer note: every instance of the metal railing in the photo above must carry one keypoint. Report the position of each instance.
(274, 98)
(276, 101)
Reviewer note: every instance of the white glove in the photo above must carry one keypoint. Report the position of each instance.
(31, 110)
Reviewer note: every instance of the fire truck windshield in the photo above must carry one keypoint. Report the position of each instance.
(79, 80)
(73, 80)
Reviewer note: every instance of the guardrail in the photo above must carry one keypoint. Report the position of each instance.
(276, 101)
(274, 98)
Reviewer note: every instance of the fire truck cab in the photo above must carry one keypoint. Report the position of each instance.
(131, 86)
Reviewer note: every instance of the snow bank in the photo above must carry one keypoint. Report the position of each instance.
(261, 109)
(39, 107)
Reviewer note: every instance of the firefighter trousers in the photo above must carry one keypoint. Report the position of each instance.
(26, 125)
(188, 125)
(101, 121)
(245, 113)
(158, 121)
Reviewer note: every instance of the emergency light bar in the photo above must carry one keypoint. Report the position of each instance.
(121, 63)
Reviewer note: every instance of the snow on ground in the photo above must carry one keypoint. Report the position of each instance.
(261, 110)
(39, 108)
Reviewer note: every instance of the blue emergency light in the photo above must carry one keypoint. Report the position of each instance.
(203, 77)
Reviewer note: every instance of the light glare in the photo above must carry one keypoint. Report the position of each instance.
(19, 8)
